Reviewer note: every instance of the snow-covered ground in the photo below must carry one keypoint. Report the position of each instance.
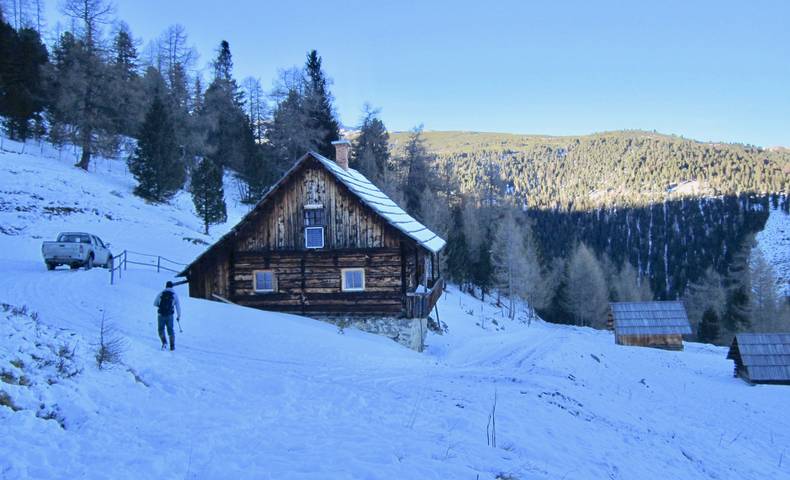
(774, 241)
(252, 394)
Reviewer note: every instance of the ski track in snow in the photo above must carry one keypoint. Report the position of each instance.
(252, 394)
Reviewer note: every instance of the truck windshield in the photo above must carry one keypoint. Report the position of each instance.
(74, 238)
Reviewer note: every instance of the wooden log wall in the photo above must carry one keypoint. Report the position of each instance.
(667, 342)
(211, 275)
(309, 281)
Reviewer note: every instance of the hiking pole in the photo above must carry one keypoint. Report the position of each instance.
(178, 320)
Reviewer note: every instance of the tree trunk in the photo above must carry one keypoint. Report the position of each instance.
(85, 159)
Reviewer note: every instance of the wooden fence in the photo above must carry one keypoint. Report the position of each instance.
(420, 304)
(160, 263)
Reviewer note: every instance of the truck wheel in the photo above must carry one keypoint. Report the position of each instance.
(50, 266)
(74, 266)
(89, 262)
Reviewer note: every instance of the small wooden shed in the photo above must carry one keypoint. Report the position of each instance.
(649, 324)
(762, 357)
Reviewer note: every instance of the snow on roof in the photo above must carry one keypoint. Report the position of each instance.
(765, 355)
(650, 318)
(374, 198)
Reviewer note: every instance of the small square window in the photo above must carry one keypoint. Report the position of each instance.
(353, 279)
(314, 216)
(314, 237)
(264, 281)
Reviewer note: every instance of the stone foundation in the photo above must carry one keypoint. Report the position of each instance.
(409, 332)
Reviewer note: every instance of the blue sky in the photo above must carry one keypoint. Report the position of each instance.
(709, 70)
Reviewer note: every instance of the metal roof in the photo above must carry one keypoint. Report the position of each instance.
(650, 318)
(367, 192)
(765, 355)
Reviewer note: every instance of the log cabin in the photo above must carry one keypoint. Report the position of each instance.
(324, 241)
(649, 324)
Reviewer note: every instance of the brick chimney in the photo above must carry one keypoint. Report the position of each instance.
(342, 149)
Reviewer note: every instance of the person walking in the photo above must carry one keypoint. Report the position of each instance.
(168, 304)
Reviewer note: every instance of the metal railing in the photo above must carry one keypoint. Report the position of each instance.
(121, 262)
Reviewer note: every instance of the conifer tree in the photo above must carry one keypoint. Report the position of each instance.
(257, 173)
(223, 114)
(156, 162)
(370, 154)
(415, 175)
(483, 273)
(457, 252)
(223, 64)
(127, 88)
(705, 294)
(124, 53)
(737, 311)
(208, 193)
(21, 84)
(318, 103)
(290, 134)
(708, 331)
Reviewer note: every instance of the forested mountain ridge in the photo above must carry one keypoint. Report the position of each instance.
(615, 216)
(628, 167)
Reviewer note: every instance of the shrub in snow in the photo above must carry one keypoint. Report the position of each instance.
(65, 363)
(6, 401)
(437, 326)
(7, 376)
(111, 346)
(51, 414)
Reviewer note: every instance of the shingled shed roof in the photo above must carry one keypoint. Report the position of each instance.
(766, 356)
(650, 318)
(365, 190)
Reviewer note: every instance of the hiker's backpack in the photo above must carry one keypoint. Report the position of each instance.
(166, 303)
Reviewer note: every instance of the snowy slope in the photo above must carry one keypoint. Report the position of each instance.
(252, 394)
(774, 241)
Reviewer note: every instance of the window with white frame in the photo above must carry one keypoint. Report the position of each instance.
(353, 279)
(314, 226)
(264, 281)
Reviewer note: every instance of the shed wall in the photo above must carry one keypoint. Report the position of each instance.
(667, 342)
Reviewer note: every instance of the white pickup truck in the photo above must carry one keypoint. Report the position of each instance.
(76, 249)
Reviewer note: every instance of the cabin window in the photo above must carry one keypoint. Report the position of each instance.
(314, 216)
(264, 281)
(314, 226)
(314, 237)
(353, 279)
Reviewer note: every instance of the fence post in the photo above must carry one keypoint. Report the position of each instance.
(125, 256)
(158, 261)
(112, 271)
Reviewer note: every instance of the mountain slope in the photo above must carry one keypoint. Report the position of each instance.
(252, 394)
(622, 167)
